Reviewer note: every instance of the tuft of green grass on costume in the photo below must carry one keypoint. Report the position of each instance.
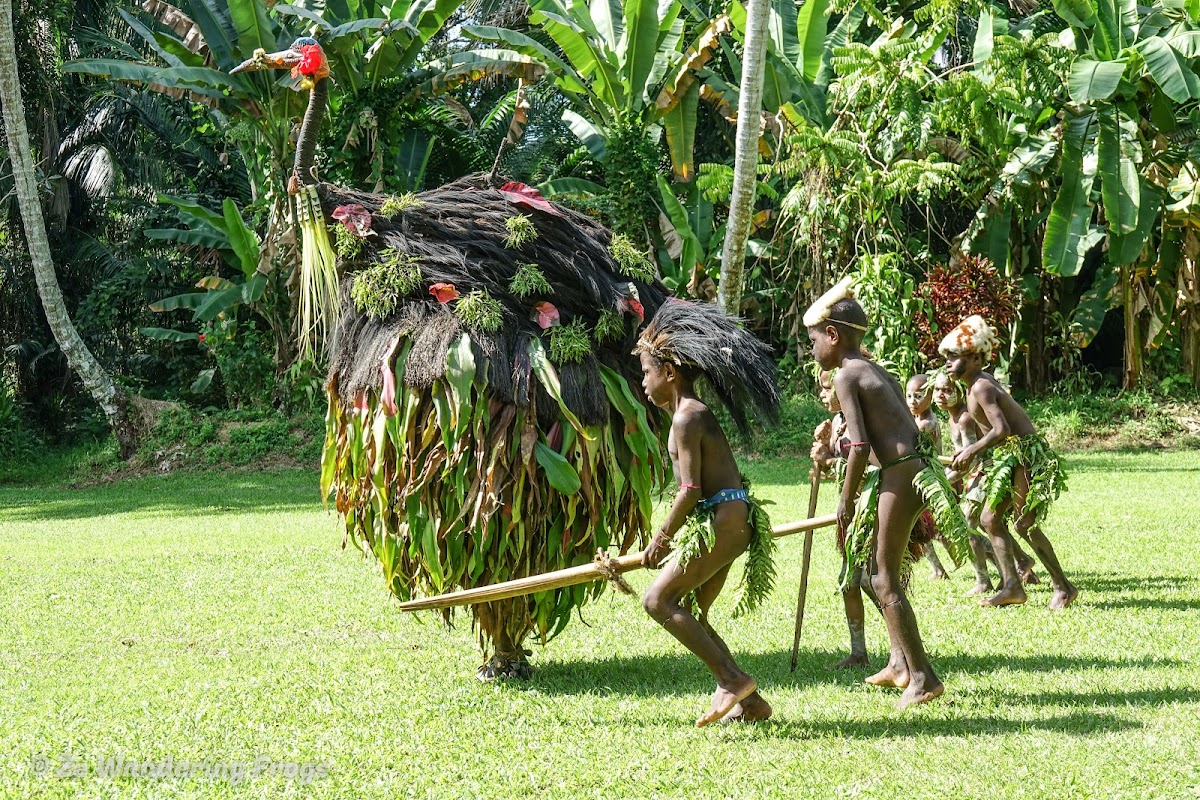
(1047, 478)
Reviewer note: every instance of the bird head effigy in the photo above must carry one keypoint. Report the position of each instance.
(304, 58)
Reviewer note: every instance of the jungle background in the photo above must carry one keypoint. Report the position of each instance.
(1033, 161)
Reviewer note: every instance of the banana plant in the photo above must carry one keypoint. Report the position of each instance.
(626, 69)
(1131, 73)
(226, 232)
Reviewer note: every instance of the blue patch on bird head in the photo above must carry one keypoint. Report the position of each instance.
(303, 40)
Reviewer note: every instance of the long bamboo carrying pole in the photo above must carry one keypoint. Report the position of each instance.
(584, 573)
(813, 493)
(571, 576)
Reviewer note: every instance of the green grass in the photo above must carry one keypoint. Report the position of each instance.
(214, 616)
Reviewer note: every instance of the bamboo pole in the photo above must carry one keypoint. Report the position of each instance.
(584, 573)
(814, 491)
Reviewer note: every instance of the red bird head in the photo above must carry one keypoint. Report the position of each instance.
(304, 58)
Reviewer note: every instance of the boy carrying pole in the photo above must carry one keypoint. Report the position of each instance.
(1025, 476)
(714, 519)
(878, 521)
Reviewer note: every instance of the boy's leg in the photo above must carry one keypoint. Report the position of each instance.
(899, 505)
(662, 603)
(939, 572)
(1025, 563)
(855, 620)
(979, 556)
(1011, 591)
(754, 708)
(1064, 591)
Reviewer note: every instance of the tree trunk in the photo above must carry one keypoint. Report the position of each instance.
(1133, 339)
(123, 414)
(745, 161)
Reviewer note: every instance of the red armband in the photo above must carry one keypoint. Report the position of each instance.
(855, 444)
(688, 486)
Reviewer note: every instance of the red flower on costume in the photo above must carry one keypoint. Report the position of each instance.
(202, 338)
(356, 219)
(545, 315)
(444, 292)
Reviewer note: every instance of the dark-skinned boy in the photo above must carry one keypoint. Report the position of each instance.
(968, 349)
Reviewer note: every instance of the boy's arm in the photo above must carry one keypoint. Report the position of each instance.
(860, 449)
(689, 438)
(988, 399)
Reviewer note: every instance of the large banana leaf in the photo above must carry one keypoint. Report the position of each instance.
(1094, 80)
(811, 25)
(254, 28)
(679, 124)
(1071, 213)
(1170, 70)
(639, 48)
(1081, 13)
(564, 75)
(1127, 248)
(1119, 180)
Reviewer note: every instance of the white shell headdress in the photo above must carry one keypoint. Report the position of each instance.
(819, 311)
(973, 335)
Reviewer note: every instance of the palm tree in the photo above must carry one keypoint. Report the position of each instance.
(745, 161)
(124, 414)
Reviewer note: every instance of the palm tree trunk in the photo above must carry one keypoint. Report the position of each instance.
(745, 161)
(113, 400)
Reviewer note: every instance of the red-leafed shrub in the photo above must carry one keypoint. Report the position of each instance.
(971, 286)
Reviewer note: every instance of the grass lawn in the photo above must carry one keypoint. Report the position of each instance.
(214, 617)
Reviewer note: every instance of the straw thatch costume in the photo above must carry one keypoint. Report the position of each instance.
(1047, 479)
(485, 420)
(704, 342)
(930, 482)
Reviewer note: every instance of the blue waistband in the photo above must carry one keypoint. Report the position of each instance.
(723, 496)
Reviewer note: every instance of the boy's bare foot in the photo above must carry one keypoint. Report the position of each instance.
(889, 676)
(1063, 598)
(979, 588)
(914, 696)
(725, 698)
(1028, 576)
(1013, 596)
(753, 709)
(850, 662)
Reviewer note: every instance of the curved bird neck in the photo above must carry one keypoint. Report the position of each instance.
(306, 146)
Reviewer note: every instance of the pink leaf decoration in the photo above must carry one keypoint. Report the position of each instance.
(545, 314)
(388, 397)
(356, 219)
(444, 292)
(524, 195)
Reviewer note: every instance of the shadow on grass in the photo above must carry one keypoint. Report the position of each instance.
(669, 675)
(1116, 582)
(1077, 723)
(1149, 603)
(174, 495)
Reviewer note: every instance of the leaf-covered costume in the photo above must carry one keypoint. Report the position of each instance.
(462, 455)
(939, 497)
(1047, 479)
(698, 535)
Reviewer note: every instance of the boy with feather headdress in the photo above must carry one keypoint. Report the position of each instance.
(1025, 477)
(877, 522)
(713, 519)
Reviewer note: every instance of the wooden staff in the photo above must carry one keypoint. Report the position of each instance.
(813, 492)
(584, 573)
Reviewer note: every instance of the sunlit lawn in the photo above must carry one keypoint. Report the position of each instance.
(215, 617)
